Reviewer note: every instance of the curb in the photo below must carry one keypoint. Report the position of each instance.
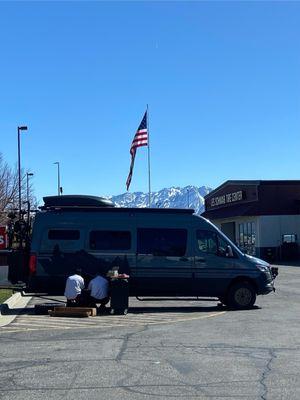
(17, 300)
(10, 302)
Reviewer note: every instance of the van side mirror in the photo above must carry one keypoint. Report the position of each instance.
(229, 252)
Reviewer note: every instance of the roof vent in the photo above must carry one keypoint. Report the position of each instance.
(76, 201)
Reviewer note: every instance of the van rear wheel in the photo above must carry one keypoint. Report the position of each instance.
(241, 295)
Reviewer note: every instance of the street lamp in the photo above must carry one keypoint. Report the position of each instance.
(20, 128)
(58, 178)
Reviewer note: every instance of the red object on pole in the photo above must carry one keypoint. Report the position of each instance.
(140, 139)
(3, 238)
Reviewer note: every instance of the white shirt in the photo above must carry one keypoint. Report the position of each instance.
(74, 285)
(98, 287)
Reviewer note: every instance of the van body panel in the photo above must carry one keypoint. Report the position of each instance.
(161, 274)
(56, 259)
(212, 273)
(166, 253)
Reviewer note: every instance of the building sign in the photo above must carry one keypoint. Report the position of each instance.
(227, 198)
(3, 237)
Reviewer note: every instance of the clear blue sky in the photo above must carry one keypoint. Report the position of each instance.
(222, 80)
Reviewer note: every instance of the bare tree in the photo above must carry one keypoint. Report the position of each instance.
(9, 191)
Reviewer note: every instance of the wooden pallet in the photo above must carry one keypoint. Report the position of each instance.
(79, 312)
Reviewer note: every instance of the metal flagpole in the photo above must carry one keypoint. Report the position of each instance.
(149, 176)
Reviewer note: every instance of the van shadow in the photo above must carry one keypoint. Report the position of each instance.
(173, 309)
(183, 310)
(145, 310)
(18, 311)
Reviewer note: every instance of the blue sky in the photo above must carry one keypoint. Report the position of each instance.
(222, 80)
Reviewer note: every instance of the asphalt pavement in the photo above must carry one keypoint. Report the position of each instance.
(170, 350)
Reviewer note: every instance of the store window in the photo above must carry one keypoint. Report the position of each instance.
(247, 237)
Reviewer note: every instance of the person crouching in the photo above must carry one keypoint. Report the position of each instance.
(74, 286)
(99, 288)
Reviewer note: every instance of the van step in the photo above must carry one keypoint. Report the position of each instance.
(177, 299)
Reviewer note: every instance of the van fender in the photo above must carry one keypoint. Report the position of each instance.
(242, 278)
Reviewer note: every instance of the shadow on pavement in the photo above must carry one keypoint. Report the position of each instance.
(175, 309)
(18, 311)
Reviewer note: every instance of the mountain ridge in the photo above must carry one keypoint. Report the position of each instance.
(173, 197)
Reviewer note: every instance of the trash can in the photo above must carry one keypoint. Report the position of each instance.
(119, 294)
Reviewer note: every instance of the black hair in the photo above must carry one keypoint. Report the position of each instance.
(78, 271)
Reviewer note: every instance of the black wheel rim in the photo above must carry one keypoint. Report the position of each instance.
(243, 297)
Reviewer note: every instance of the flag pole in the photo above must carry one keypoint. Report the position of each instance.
(149, 176)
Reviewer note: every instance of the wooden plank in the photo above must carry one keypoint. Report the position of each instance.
(80, 314)
(91, 310)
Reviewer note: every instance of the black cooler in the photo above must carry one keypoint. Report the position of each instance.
(119, 294)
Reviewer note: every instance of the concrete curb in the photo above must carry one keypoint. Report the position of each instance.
(16, 301)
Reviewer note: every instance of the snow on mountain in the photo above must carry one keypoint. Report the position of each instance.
(174, 197)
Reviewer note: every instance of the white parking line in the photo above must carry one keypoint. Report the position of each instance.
(38, 323)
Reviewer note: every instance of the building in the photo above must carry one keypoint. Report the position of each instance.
(261, 217)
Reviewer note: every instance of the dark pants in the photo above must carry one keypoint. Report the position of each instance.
(74, 302)
(93, 302)
(86, 300)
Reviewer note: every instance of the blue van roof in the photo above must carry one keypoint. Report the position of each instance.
(118, 210)
(87, 203)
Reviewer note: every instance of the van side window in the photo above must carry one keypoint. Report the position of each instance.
(162, 242)
(222, 247)
(210, 242)
(63, 240)
(110, 240)
(207, 241)
(63, 234)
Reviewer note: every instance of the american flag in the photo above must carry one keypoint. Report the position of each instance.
(140, 139)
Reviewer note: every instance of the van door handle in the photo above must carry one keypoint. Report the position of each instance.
(183, 259)
(200, 259)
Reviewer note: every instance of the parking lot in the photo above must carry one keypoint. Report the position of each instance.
(159, 350)
(140, 313)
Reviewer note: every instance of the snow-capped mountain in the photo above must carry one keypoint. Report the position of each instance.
(174, 197)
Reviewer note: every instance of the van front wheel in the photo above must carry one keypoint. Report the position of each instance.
(241, 295)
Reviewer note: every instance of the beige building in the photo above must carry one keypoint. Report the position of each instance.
(261, 217)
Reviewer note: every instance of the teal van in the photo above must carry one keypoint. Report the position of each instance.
(166, 252)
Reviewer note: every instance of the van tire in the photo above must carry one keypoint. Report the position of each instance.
(241, 295)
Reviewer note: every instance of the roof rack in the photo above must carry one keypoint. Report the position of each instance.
(75, 201)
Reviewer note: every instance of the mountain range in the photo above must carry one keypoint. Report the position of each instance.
(173, 197)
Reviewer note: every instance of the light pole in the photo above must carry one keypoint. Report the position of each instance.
(20, 128)
(58, 178)
(28, 174)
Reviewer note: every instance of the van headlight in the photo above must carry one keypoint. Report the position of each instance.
(263, 268)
